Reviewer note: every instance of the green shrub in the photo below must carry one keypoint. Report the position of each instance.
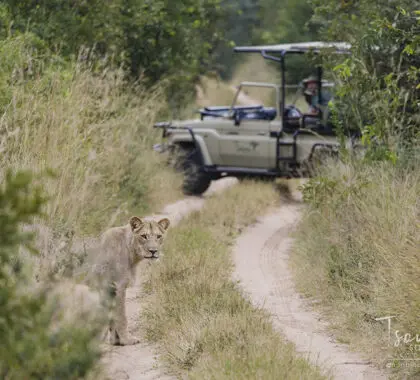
(378, 93)
(30, 348)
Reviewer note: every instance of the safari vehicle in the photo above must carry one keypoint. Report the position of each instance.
(253, 141)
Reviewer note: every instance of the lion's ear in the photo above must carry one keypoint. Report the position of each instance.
(164, 223)
(135, 223)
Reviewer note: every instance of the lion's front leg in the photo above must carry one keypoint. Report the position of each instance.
(120, 320)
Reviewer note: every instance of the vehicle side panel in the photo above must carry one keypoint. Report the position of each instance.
(245, 145)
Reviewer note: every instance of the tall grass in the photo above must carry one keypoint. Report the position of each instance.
(359, 243)
(92, 129)
(96, 137)
(205, 328)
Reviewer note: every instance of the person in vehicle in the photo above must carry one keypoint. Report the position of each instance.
(317, 107)
(310, 93)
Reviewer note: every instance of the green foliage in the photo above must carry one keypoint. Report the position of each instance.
(176, 41)
(24, 58)
(315, 190)
(321, 190)
(18, 204)
(239, 23)
(5, 20)
(30, 348)
(151, 39)
(284, 22)
(377, 85)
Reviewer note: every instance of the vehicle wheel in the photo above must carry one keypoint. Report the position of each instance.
(177, 157)
(320, 159)
(196, 181)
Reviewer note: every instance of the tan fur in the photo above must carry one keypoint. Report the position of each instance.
(122, 248)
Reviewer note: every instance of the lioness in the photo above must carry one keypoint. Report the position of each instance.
(122, 248)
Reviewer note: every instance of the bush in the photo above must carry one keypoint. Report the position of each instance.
(153, 40)
(378, 93)
(31, 348)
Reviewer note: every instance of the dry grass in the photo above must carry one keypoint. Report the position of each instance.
(95, 133)
(97, 138)
(205, 328)
(214, 92)
(256, 68)
(360, 246)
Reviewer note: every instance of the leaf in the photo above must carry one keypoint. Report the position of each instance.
(409, 50)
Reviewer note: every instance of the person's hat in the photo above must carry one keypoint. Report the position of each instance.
(310, 79)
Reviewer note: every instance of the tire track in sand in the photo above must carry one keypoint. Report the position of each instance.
(261, 258)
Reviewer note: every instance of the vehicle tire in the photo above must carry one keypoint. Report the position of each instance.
(196, 182)
(177, 156)
(320, 159)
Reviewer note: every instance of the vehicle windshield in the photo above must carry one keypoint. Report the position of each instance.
(256, 101)
(256, 95)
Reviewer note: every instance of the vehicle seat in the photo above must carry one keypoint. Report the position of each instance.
(265, 113)
(292, 117)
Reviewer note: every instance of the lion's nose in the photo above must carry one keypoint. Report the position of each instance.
(153, 251)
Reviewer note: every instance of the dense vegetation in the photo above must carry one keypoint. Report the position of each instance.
(155, 39)
(81, 83)
(359, 238)
(358, 241)
(379, 84)
(37, 342)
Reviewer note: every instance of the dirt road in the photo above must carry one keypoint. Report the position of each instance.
(140, 361)
(261, 258)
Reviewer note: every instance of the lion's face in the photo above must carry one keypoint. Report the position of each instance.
(148, 236)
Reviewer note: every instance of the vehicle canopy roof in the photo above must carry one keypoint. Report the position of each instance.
(299, 47)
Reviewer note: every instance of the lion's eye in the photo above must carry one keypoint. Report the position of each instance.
(159, 236)
(144, 237)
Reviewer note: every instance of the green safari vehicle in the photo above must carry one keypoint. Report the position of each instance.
(255, 140)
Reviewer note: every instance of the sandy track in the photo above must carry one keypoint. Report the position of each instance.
(261, 259)
(139, 362)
